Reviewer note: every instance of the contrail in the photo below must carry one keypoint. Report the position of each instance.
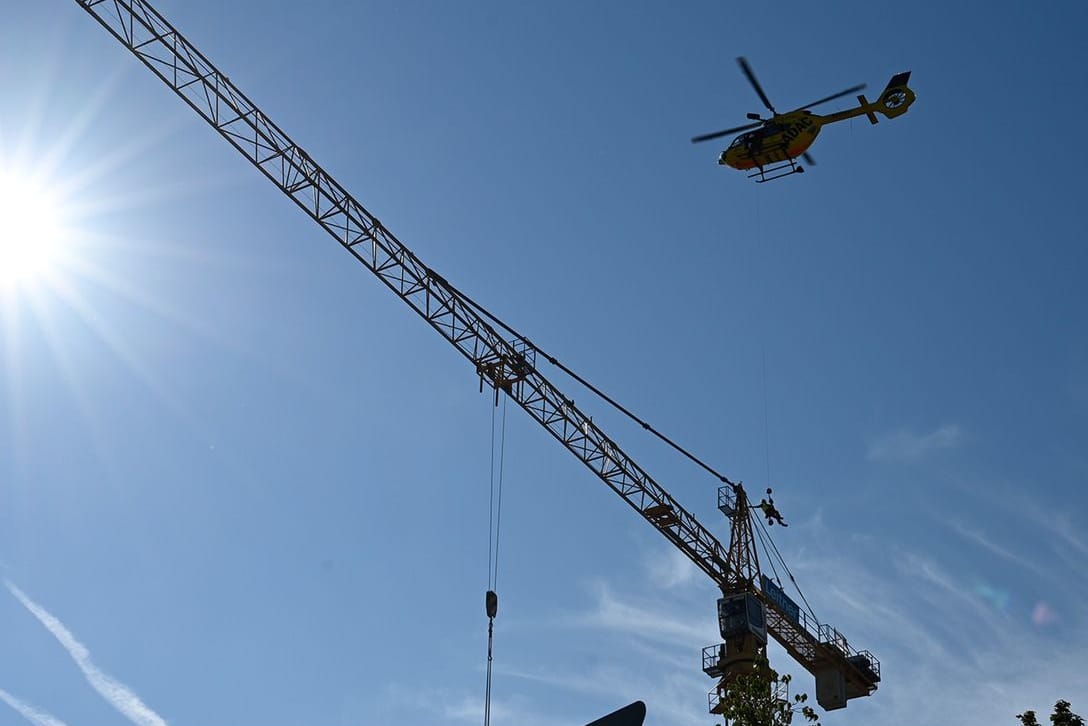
(31, 714)
(117, 694)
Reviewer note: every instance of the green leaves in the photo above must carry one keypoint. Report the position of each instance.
(762, 698)
(1062, 716)
(1027, 718)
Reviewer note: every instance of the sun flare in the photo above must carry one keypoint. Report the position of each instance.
(31, 229)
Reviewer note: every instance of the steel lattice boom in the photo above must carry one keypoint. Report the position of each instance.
(507, 366)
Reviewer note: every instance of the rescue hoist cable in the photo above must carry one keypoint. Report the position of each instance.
(770, 549)
(491, 598)
(766, 425)
(762, 531)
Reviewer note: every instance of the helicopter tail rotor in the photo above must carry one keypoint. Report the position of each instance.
(897, 96)
(894, 100)
(899, 79)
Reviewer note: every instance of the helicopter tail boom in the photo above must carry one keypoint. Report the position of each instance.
(894, 101)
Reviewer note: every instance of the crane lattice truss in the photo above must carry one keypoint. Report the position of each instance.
(507, 366)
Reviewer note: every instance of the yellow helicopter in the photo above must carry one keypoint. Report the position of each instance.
(771, 146)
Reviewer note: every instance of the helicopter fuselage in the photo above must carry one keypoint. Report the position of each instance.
(783, 137)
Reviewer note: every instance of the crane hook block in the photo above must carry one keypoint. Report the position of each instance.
(492, 603)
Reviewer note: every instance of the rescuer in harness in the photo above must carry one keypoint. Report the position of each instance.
(769, 511)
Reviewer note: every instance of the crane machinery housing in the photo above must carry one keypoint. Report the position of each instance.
(752, 606)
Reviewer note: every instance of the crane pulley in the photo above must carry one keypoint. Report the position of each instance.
(751, 607)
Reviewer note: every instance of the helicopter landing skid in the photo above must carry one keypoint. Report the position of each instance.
(770, 173)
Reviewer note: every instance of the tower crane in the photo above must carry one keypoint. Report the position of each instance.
(752, 606)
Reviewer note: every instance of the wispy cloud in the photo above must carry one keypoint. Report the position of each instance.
(470, 710)
(30, 713)
(937, 638)
(612, 613)
(982, 540)
(445, 706)
(655, 658)
(670, 568)
(113, 691)
(1070, 534)
(908, 446)
(666, 690)
(656, 654)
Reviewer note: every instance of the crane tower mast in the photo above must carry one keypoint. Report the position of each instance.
(506, 365)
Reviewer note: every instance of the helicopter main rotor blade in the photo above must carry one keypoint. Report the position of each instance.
(719, 134)
(832, 97)
(755, 84)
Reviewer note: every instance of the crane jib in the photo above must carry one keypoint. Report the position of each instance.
(211, 94)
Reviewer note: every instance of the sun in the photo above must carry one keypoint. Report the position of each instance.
(31, 229)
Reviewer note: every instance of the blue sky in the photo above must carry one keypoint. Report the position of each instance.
(241, 483)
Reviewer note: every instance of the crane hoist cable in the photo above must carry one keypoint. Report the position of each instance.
(494, 523)
(495, 495)
(762, 531)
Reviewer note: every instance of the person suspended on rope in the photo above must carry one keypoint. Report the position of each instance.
(770, 511)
